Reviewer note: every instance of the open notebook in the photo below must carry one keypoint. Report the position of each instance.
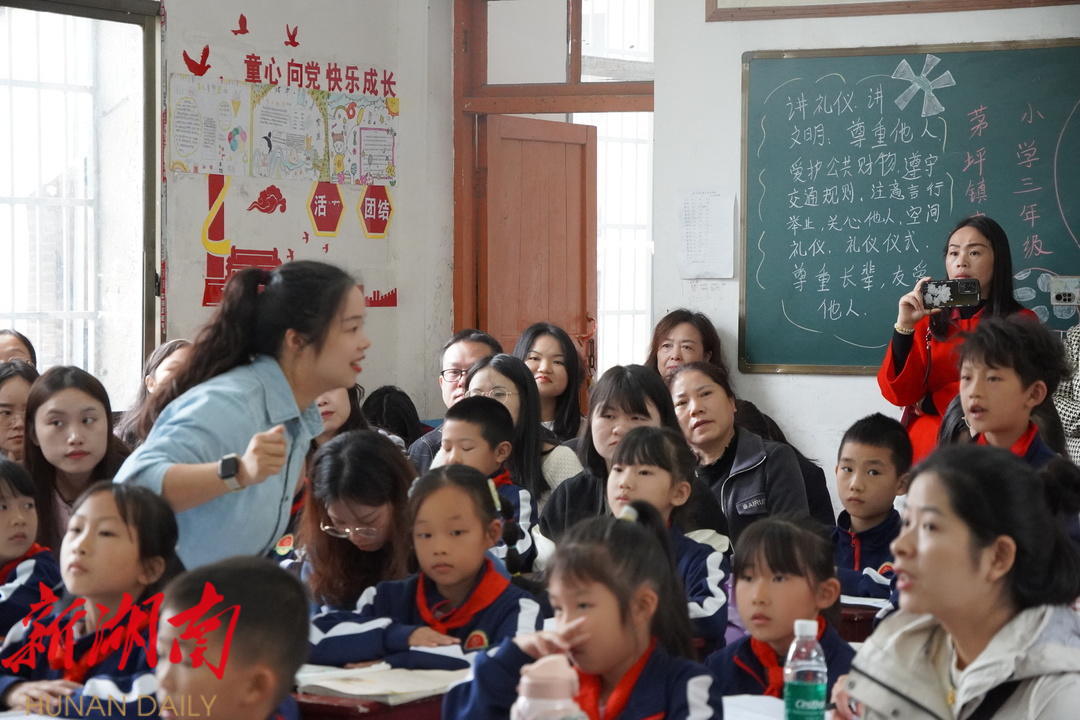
(378, 683)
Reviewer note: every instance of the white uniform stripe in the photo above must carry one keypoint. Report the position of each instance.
(697, 698)
(714, 581)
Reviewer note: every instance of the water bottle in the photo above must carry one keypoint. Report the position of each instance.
(547, 690)
(806, 676)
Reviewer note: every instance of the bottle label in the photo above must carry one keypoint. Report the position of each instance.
(804, 701)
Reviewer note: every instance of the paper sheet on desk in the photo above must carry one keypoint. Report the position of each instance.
(390, 686)
(757, 707)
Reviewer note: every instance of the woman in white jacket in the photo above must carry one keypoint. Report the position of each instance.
(986, 576)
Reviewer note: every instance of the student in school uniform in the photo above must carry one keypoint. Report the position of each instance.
(120, 543)
(457, 599)
(655, 465)
(620, 616)
(783, 572)
(986, 579)
(478, 432)
(871, 469)
(459, 353)
(265, 648)
(24, 564)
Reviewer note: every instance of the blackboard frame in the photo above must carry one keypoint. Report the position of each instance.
(747, 57)
(826, 9)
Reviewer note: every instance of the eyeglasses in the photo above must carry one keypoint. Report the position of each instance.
(498, 393)
(364, 533)
(452, 374)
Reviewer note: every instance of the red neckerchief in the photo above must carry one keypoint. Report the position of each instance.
(1022, 445)
(588, 697)
(774, 671)
(491, 586)
(81, 667)
(9, 567)
(502, 478)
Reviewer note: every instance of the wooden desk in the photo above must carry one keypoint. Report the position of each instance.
(856, 622)
(326, 707)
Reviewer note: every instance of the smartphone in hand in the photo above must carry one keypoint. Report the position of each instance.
(963, 292)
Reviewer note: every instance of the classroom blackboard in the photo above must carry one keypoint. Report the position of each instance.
(857, 163)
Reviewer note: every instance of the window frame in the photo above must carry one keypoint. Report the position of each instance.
(145, 14)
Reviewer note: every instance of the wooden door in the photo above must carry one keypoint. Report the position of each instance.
(537, 228)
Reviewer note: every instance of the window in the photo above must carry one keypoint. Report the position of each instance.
(76, 231)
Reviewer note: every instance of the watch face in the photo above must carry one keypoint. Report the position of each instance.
(228, 466)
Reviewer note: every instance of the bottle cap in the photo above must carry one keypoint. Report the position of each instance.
(806, 628)
(549, 678)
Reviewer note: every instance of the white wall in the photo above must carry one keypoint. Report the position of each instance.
(413, 39)
(697, 146)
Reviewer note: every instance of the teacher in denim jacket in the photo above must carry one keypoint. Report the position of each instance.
(234, 424)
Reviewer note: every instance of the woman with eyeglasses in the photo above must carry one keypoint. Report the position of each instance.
(538, 463)
(353, 530)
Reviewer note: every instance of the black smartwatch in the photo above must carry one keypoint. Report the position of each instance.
(228, 468)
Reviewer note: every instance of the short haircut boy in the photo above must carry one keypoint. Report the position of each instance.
(1020, 343)
(272, 624)
(881, 431)
(491, 416)
(474, 336)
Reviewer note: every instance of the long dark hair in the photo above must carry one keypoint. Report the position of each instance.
(153, 521)
(567, 406)
(52, 381)
(391, 409)
(996, 493)
(364, 467)
(630, 388)
(710, 339)
(136, 423)
(24, 340)
(525, 458)
(622, 555)
(1001, 302)
(257, 309)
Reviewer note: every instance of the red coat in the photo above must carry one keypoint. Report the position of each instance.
(912, 384)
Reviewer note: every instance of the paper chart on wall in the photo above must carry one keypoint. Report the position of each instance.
(706, 236)
(288, 128)
(363, 139)
(208, 125)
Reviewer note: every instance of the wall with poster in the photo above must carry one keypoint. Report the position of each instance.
(317, 130)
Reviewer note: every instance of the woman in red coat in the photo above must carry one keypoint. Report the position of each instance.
(919, 372)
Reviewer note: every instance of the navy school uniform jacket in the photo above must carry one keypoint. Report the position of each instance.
(387, 614)
(525, 515)
(657, 686)
(21, 580)
(863, 560)
(703, 570)
(127, 686)
(742, 668)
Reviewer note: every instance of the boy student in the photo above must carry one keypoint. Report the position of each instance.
(267, 646)
(477, 432)
(1008, 367)
(458, 355)
(871, 469)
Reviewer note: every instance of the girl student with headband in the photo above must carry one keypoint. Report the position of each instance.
(655, 465)
(120, 544)
(750, 477)
(557, 369)
(986, 577)
(919, 371)
(229, 446)
(69, 444)
(16, 377)
(459, 597)
(684, 336)
(536, 463)
(24, 564)
(625, 397)
(783, 572)
(620, 616)
(353, 532)
(158, 371)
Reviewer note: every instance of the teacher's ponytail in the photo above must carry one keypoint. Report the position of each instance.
(257, 308)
